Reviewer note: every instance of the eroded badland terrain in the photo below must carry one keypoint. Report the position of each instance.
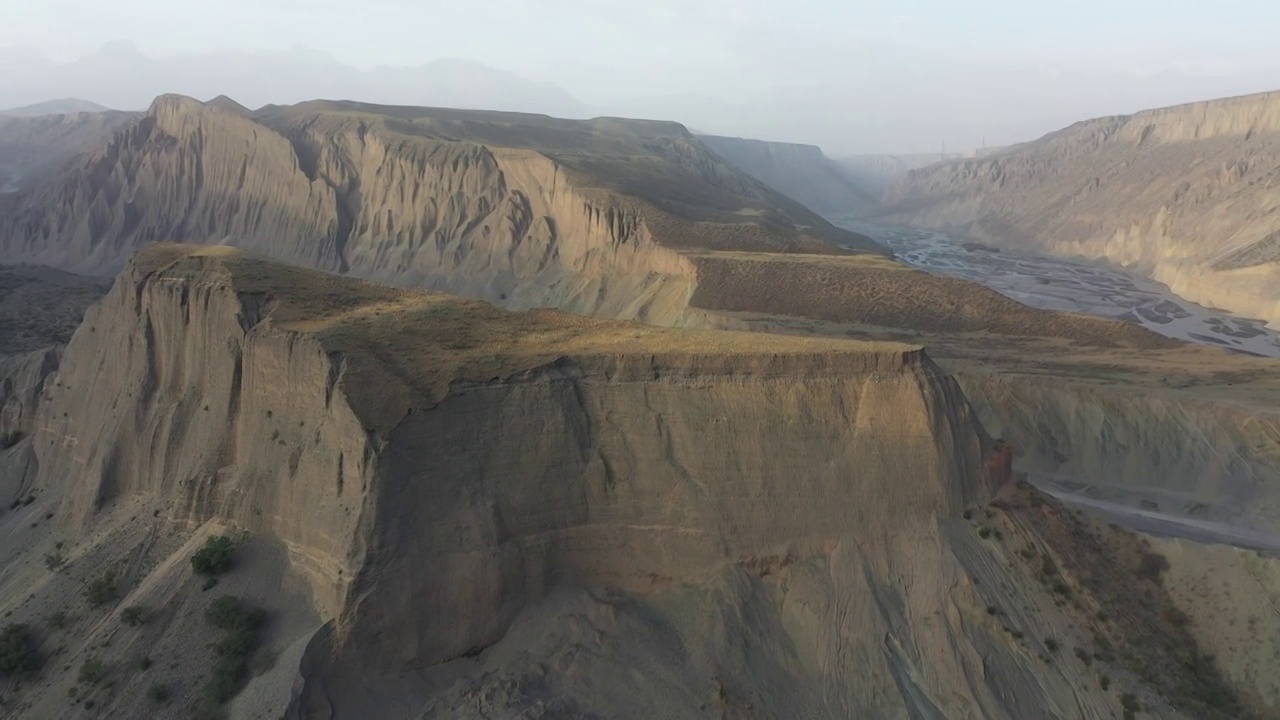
(347, 411)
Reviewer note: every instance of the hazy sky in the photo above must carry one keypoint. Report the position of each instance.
(1003, 67)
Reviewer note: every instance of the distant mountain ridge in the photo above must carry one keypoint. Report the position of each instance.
(801, 172)
(119, 75)
(61, 106)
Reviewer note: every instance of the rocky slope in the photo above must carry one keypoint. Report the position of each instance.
(521, 210)
(456, 510)
(1186, 194)
(34, 146)
(801, 172)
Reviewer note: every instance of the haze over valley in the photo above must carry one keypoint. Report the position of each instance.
(677, 361)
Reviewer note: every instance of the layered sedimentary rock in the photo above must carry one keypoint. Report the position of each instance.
(520, 210)
(495, 512)
(801, 172)
(1186, 194)
(1190, 455)
(435, 466)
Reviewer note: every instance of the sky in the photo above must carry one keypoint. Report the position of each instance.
(850, 75)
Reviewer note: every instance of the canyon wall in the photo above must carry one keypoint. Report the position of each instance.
(1185, 194)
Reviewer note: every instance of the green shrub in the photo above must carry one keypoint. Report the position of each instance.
(1152, 566)
(158, 693)
(102, 590)
(134, 615)
(1104, 682)
(239, 625)
(984, 532)
(144, 663)
(1051, 644)
(90, 671)
(215, 557)
(18, 655)
(58, 620)
(54, 560)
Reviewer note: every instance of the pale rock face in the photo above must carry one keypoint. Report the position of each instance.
(430, 533)
(1185, 194)
(521, 211)
(1190, 457)
(172, 387)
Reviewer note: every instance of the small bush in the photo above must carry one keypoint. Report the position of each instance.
(1084, 656)
(18, 655)
(1051, 644)
(984, 532)
(144, 663)
(54, 560)
(59, 620)
(1105, 682)
(134, 615)
(215, 557)
(1152, 566)
(91, 671)
(968, 514)
(239, 625)
(102, 590)
(209, 583)
(158, 693)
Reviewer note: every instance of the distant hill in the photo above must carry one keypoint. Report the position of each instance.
(876, 173)
(801, 172)
(62, 106)
(121, 76)
(1186, 194)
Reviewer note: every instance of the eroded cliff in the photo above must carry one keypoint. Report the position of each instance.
(1185, 194)
(542, 507)
(520, 210)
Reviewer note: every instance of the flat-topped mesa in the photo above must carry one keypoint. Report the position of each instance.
(1226, 117)
(434, 464)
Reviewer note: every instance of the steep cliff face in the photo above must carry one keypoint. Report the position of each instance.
(1186, 194)
(455, 484)
(801, 172)
(1190, 456)
(520, 210)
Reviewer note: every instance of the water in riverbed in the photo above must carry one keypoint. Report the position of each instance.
(1082, 286)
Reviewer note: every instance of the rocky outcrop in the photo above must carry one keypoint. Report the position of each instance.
(801, 172)
(523, 211)
(529, 453)
(1185, 194)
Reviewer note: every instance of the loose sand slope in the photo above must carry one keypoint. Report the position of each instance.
(488, 514)
(1188, 194)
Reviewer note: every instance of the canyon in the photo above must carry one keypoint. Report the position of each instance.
(671, 445)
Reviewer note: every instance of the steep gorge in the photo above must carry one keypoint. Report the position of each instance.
(1185, 194)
